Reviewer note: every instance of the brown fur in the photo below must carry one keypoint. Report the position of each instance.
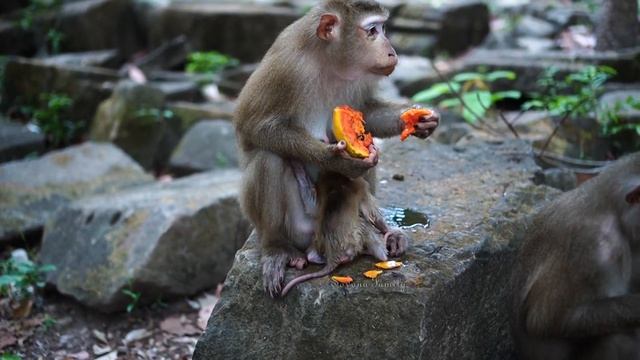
(282, 116)
(575, 283)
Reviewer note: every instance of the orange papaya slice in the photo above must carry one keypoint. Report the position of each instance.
(348, 126)
(410, 119)
(342, 279)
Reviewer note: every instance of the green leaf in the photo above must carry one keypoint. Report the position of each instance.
(47, 268)
(510, 94)
(6, 280)
(450, 103)
(435, 91)
(501, 74)
(477, 103)
(10, 356)
(468, 76)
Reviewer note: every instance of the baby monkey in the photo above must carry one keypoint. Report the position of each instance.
(576, 282)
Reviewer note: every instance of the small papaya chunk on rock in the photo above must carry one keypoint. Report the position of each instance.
(411, 118)
(372, 274)
(391, 264)
(342, 279)
(348, 126)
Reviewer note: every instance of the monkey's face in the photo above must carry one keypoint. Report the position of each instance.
(357, 46)
(378, 56)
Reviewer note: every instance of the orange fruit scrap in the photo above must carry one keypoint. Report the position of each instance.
(388, 264)
(372, 274)
(342, 279)
(348, 126)
(410, 119)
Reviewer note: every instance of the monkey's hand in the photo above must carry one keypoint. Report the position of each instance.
(343, 163)
(427, 125)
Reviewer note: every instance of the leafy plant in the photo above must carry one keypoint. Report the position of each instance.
(469, 93)
(209, 62)
(611, 122)
(54, 37)
(19, 279)
(9, 356)
(49, 322)
(36, 7)
(51, 118)
(134, 298)
(576, 94)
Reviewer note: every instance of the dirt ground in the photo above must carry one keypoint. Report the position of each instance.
(60, 328)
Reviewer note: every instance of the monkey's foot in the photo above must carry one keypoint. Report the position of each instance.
(298, 262)
(315, 258)
(273, 267)
(397, 242)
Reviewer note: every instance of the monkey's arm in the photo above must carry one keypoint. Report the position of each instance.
(383, 119)
(290, 141)
(600, 317)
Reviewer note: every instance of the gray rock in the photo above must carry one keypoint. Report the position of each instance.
(162, 240)
(244, 31)
(208, 145)
(133, 119)
(535, 44)
(528, 66)
(14, 40)
(535, 27)
(561, 179)
(17, 141)
(32, 190)
(98, 25)
(457, 26)
(190, 113)
(617, 101)
(179, 90)
(99, 58)
(27, 79)
(448, 301)
(451, 133)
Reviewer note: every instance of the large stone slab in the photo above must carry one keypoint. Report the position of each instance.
(208, 145)
(449, 299)
(161, 240)
(33, 190)
(25, 80)
(17, 141)
(529, 66)
(244, 31)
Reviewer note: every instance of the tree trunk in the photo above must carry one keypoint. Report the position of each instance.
(617, 25)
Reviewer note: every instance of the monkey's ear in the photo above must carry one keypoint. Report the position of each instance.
(327, 27)
(633, 197)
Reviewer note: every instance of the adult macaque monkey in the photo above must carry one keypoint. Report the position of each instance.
(576, 283)
(332, 56)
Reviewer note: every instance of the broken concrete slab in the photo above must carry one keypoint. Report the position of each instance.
(162, 240)
(448, 301)
(33, 190)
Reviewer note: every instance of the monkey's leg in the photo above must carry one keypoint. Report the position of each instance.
(267, 201)
(396, 240)
(597, 318)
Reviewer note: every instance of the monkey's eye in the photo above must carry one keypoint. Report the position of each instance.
(373, 30)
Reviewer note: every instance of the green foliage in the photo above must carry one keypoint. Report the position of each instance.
(35, 8)
(134, 298)
(576, 96)
(209, 62)
(54, 37)
(469, 93)
(9, 356)
(20, 279)
(51, 118)
(49, 322)
(610, 121)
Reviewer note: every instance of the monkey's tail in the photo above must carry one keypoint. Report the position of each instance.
(328, 269)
